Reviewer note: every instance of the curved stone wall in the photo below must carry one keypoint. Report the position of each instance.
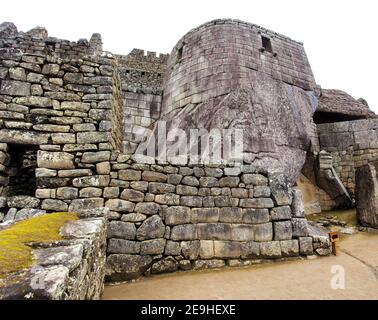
(221, 76)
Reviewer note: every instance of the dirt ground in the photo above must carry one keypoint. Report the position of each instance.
(301, 279)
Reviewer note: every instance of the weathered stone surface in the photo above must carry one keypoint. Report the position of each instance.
(93, 157)
(186, 190)
(168, 198)
(230, 215)
(151, 228)
(79, 204)
(152, 176)
(289, 248)
(300, 227)
(172, 248)
(28, 213)
(270, 249)
(367, 195)
(263, 232)
(55, 160)
(184, 232)
(165, 265)
(208, 264)
(256, 216)
(190, 249)
(242, 232)
(92, 181)
(132, 195)
(68, 256)
(123, 246)
(280, 213)
(305, 246)
(297, 206)
(214, 231)
(148, 208)
(250, 249)
(158, 187)
(227, 249)
(283, 230)
(126, 267)
(129, 175)
(177, 215)
(15, 88)
(204, 215)
(23, 202)
(120, 205)
(154, 246)
(122, 230)
(258, 203)
(90, 192)
(254, 179)
(279, 186)
(74, 173)
(208, 182)
(54, 205)
(133, 217)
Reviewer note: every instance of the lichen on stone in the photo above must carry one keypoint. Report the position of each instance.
(15, 253)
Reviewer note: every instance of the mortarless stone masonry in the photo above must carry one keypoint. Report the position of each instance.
(81, 113)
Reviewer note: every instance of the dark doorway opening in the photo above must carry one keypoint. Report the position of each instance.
(22, 165)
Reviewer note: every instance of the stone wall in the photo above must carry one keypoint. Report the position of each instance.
(71, 269)
(168, 218)
(63, 107)
(80, 114)
(352, 144)
(37, 41)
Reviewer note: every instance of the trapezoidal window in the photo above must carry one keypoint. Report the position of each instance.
(266, 44)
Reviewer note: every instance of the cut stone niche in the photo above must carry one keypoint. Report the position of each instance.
(21, 170)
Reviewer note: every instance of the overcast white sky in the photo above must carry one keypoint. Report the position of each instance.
(339, 35)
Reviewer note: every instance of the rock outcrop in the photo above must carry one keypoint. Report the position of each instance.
(367, 195)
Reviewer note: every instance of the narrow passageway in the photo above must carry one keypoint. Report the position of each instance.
(302, 279)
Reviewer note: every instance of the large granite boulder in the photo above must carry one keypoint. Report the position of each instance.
(366, 192)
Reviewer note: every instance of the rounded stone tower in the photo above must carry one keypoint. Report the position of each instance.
(230, 74)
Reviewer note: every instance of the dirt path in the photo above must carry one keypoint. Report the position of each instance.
(304, 279)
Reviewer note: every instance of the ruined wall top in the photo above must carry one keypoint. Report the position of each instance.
(37, 41)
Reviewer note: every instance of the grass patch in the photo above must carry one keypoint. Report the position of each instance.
(15, 255)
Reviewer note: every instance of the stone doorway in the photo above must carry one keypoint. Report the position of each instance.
(21, 168)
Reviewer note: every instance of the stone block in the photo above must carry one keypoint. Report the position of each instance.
(214, 231)
(230, 215)
(305, 246)
(184, 232)
(255, 216)
(123, 246)
(250, 249)
(168, 199)
(121, 230)
(159, 187)
(289, 248)
(191, 201)
(280, 213)
(186, 190)
(132, 195)
(254, 179)
(280, 189)
(227, 249)
(258, 203)
(55, 160)
(166, 265)
(151, 228)
(88, 203)
(177, 215)
(91, 181)
(172, 248)
(270, 249)
(242, 232)
(263, 232)
(204, 215)
(120, 205)
(152, 247)
(190, 249)
(283, 230)
(149, 208)
(152, 176)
